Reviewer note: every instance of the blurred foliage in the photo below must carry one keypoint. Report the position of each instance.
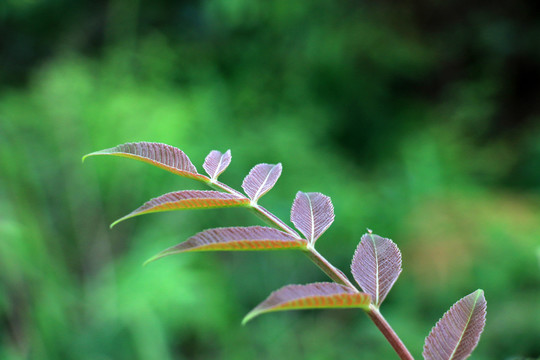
(420, 119)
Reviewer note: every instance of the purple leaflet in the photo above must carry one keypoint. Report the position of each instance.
(311, 296)
(456, 335)
(189, 199)
(312, 214)
(376, 266)
(260, 180)
(236, 238)
(216, 163)
(163, 156)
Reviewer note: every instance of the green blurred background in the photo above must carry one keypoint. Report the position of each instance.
(420, 119)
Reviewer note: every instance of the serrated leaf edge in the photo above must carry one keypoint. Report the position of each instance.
(479, 293)
(377, 302)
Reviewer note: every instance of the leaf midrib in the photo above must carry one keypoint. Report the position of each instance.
(256, 196)
(214, 176)
(465, 327)
(376, 270)
(312, 238)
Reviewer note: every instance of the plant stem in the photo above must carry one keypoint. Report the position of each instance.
(329, 269)
(261, 212)
(221, 186)
(334, 273)
(274, 220)
(389, 333)
(339, 277)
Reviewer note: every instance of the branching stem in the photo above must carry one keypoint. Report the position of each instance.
(334, 273)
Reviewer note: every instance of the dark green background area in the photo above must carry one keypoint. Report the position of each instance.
(420, 119)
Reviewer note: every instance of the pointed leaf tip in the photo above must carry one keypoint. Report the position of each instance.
(312, 214)
(163, 156)
(216, 163)
(311, 296)
(376, 266)
(148, 261)
(260, 180)
(188, 199)
(457, 333)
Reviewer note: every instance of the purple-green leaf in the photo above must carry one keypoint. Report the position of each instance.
(161, 155)
(456, 335)
(376, 266)
(216, 163)
(189, 199)
(236, 239)
(260, 180)
(311, 296)
(312, 214)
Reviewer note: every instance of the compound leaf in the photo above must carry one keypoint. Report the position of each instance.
(312, 214)
(216, 163)
(189, 199)
(376, 266)
(161, 155)
(260, 180)
(456, 335)
(311, 296)
(236, 238)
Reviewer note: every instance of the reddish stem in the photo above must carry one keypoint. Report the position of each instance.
(389, 333)
(329, 269)
(334, 273)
